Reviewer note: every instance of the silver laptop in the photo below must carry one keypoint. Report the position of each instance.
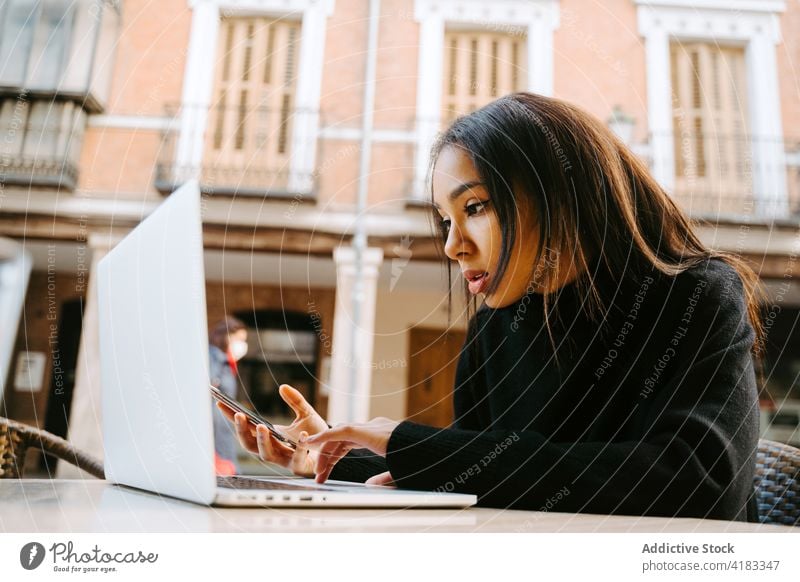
(157, 424)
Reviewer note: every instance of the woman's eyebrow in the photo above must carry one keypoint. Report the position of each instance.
(459, 190)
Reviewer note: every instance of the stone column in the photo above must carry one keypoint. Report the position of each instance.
(309, 86)
(541, 75)
(351, 369)
(15, 272)
(198, 80)
(85, 419)
(429, 96)
(659, 101)
(766, 128)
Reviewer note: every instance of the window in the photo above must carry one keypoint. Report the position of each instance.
(712, 145)
(480, 66)
(19, 18)
(730, 31)
(248, 142)
(529, 26)
(50, 43)
(58, 47)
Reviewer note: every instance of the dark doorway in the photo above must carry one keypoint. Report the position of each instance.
(782, 357)
(62, 375)
(433, 357)
(781, 402)
(283, 349)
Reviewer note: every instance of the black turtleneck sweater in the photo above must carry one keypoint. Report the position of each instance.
(652, 411)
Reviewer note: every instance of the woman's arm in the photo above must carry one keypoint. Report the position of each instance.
(465, 401)
(695, 455)
(358, 466)
(361, 464)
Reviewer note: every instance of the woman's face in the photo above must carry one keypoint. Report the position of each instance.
(474, 238)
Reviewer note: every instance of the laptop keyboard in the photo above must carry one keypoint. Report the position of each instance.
(234, 482)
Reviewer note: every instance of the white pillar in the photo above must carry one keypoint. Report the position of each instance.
(429, 95)
(309, 86)
(15, 273)
(347, 402)
(541, 78)
(659, 99)
(198, 80)
(769, 155)
(85, 429)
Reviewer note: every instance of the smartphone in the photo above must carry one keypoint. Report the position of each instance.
(251, 416)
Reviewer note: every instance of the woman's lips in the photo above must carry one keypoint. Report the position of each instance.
(478, 283)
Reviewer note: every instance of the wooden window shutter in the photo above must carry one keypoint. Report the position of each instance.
(711, 141)
(250, 124)
(480, 66)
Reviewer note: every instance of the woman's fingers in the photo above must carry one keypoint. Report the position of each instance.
(226, 410)
(299, 462)
(381, 480)
(259, 440)
(330, 454)
(295, 401)
(373, 435)
(338, 433)
(269, 449)
(264, 446)
(245, 433)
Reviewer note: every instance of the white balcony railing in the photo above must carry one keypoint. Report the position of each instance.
(246, 151)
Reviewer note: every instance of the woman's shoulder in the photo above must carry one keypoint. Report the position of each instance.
(712, 297)
(717, 279)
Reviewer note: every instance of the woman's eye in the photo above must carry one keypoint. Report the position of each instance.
(473, 209)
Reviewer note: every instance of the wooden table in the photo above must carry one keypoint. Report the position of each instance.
(82, 506)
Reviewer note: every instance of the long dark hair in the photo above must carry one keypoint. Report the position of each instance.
(589, 193)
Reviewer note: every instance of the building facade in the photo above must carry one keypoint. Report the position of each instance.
(107, 106)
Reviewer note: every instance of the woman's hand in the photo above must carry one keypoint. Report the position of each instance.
(381, 480)
(259, 440)
(335, 443)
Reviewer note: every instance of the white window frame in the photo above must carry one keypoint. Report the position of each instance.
(753, 24)
(198, 83)
(539, 17)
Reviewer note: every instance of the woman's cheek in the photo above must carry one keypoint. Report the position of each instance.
(493, 236)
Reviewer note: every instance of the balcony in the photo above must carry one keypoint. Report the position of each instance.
(729, 178)
(56, 68)
(249, 151)
(41, 142)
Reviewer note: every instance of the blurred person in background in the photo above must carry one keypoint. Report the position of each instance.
(227, 345)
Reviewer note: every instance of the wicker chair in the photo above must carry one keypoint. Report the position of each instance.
(777, 483)
(16, 437)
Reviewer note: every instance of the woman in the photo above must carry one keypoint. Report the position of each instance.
(227, 345)
(610, 368)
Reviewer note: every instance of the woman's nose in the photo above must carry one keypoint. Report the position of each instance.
(456, 243)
